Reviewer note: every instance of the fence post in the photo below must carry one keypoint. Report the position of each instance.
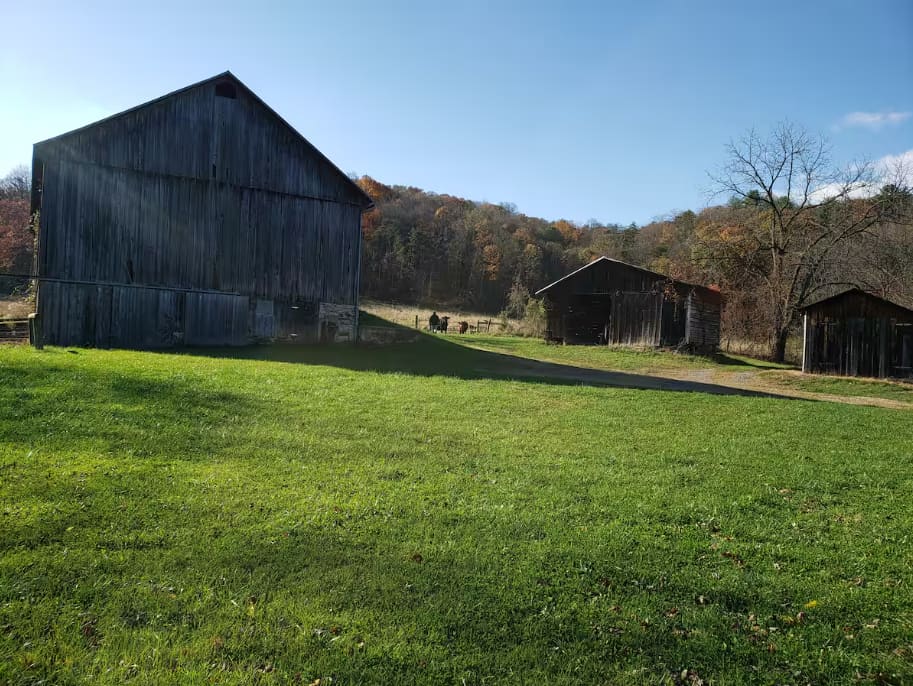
(35, 331)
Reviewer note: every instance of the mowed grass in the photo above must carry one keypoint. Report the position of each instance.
(392, 515)
(869, 388)
(614, 357)
(652, 361)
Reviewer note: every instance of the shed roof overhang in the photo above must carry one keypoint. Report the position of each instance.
(854, 291)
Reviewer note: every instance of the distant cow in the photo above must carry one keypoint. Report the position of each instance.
(464, 327)
(445, 320)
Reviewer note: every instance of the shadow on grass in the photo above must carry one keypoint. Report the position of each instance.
(450, 615)
(59, 407)
(730, 361)
(733, 360)
(433, 355)
(487, 613)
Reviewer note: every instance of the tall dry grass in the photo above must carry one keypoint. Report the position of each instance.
(412, 315)
(15, 307)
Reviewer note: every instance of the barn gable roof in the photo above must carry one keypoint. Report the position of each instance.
(854, 291)
(367, 202)
(604, 259)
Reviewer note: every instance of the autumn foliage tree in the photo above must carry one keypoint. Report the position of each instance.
(16, 239)
(446, 251)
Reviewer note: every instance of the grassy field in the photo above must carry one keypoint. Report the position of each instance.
(621, 358)
(766, 374)
(405, 315)
(402, 515)
(869, 388)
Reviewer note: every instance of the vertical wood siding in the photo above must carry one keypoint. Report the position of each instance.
(212, 201)
(620, 304)
(636, 318)
(703, 325)
(200, 135)
(858, 335)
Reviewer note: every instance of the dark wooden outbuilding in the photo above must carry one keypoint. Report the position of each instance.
(199, 218)
(615, 303)
(854, 333)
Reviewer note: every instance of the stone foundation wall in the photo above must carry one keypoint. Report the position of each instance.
(337, 323)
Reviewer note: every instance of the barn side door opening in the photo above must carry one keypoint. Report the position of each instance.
(828, 350)
(588, 320)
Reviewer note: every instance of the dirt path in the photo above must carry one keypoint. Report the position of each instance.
(715, 381)
(759, 381)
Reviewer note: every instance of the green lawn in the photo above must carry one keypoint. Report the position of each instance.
(869, 388)
(400, 515)
(607, 357)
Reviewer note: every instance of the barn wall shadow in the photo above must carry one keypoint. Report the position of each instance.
(434, 355)
(59, 408)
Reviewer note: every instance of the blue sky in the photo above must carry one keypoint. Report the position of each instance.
(612, 111)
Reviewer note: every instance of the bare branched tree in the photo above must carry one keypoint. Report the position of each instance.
(799, 209)
(17, 184)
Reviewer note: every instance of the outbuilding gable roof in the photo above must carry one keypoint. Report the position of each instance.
(853, 291)
(604, 259)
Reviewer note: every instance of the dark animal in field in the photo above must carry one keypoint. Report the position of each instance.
(445, 321)
(464, 327)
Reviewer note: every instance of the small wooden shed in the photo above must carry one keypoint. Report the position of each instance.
(199, 218)
(611, 302)
(854, 333)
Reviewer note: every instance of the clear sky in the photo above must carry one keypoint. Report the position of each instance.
(612, 111)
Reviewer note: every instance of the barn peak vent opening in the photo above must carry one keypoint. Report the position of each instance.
(226, 89)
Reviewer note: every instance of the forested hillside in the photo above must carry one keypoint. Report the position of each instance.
(444, 251)
(770, 252)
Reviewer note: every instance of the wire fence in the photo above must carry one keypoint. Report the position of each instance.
(419, 317)
(17, 296)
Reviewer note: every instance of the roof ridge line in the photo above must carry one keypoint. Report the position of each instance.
(626, 264)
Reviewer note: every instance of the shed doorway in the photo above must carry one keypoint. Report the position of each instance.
(588, 319)
(903, 350)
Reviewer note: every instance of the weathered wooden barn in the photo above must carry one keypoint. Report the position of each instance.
(615, 303)
(854, 333)
(199, 218)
